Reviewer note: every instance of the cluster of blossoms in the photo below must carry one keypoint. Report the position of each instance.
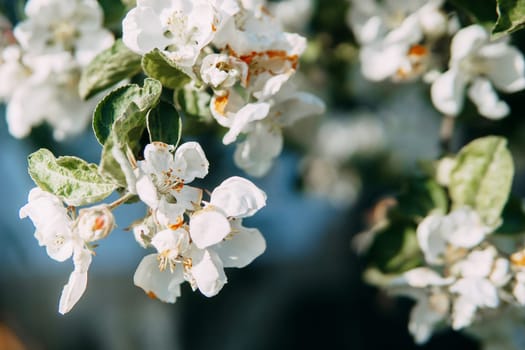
(401, 40)
(465, 276)
(42, 64)
(238, 50)
(194, 239)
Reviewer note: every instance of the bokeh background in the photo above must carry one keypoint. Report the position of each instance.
(306, 291)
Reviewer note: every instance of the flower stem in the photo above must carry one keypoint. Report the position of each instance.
(446, 133)
(121, 200)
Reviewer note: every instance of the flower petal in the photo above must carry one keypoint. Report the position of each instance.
(208, 227)
(162, 285)
(256, 153)
(247, 114)
(447, 92)
(467, 41)
(190, 158)
(72, 291)
(208, 272)
(486, 99)
(238, 197)
(505, 66)
(431, 240)
(240, 250)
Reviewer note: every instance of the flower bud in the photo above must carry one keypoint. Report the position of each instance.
(95, 223)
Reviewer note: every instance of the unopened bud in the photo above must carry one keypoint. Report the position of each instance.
(95, 223)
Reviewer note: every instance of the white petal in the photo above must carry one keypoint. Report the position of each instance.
(479, 291)
(163, 285)
(157, 158)
(72, 291)
(467, 41)
(486, 99)
(256, 153)
(169, 214)
(478, 263)
(463, 313)
(519, 288)
(142, 32)
(431, 240)
(423, 319)
(242, 248)
(147, 191)
(208, 227)
(208, 272)
(505, 66)
(296, 106)
(174, 241)
(238, 197)
(422, 277)
(500, 274)
(466, 228)
(247, 114)
(447, 92)
(190, 158)
(187, 197)
(381, 62)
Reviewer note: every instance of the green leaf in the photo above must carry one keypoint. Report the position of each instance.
(513, 218)
(125, 138)
(73, 179)
(395, 249)
(117, 102)
(420, 197)
(193, 102)
(156, 65)
(482, 12)
(482, 177)
(108, 68)
(164, 124)
(511, 16)
(114, 11)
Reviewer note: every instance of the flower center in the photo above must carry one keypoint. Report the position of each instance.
(64, 33)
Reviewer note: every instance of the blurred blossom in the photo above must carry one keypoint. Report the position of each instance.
(294, 15)
(482, 65)
(397, 37)
(326, 169)
(361, 133)
(43, 65)
(465, 276)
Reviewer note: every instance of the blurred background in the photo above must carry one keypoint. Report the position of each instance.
(306, 291)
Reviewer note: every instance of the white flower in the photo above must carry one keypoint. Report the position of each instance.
(179, 28)
(478, 285)
(52, 222)
(223, 71)
(293, 14)
(262, 123)
(64, 238)
(234, 198)
(54, 26)
(159, 284)
(432, 303)
(461, 228)
(391, 35)
(52, 90)
(482, 64)
(162, 178)
(12, 71)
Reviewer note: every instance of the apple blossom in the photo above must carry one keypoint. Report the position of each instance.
(480, 65)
